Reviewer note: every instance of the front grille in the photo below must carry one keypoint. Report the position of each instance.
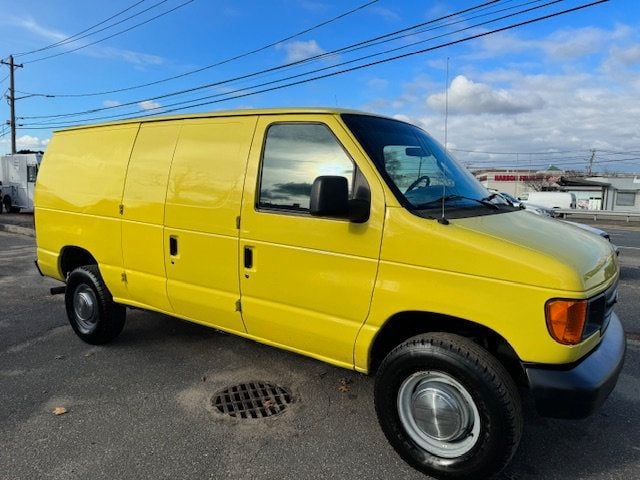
(599, 311)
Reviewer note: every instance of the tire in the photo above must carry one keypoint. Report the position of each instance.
(479, 422)
(7, 203)
(15, 210)
(93, 315)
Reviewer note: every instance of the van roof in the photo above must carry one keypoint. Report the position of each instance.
(226, 113)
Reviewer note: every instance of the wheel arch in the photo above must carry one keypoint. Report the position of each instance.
(72, 257)
(404, 325)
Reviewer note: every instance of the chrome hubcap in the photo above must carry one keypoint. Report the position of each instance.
(438, 413)
(85, 308)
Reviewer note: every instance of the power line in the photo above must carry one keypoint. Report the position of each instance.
(562, 164)
(290, 64)
(516, 153)
(273, 69)
(221, 62)
(612, 152)
(244, 94)
(114, 34)
(385, 60)
(76, 35)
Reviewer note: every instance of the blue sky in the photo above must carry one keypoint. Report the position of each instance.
(550, 91)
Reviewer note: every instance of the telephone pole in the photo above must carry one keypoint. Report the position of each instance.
(593, 156)
(12, 99)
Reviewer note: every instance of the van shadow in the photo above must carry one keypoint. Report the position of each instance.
(145, 327)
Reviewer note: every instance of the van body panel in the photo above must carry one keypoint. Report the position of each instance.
(517, 247)
(85, 170)
(143, 203)
(294, 294)
(513, 311)
(203, 203)
(78, 194)
(557, 247)
(484, 270)
(100, 236)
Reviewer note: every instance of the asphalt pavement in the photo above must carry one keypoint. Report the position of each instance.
(140, 408)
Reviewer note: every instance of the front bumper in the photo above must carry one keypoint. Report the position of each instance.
(579, 390)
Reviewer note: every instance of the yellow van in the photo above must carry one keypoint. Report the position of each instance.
(352, 238)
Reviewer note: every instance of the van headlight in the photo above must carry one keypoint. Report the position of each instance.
(566, 319)
(570, 321)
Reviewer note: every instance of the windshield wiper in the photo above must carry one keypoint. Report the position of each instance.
(446, 198)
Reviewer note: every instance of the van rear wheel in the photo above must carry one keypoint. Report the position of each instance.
(448, 407)
(93, 315)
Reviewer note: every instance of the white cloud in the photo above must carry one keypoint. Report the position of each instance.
(34, 27)
(467, 96)
(25, 142)
(111, 103)
(52, 35)
(385, 13)
(129, 56)
(313, 6)
(378, 83)
(301, 50)
(576, 112)
(625, 56)
(528, 107)
(149, 105)
(561, 45)
(575, 42)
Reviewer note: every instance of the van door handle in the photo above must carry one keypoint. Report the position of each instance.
(248, 257)
(173, 246)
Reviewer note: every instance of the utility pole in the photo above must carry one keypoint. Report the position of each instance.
(12, 99)
(593, 157)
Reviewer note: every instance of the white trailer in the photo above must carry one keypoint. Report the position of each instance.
(18, 176)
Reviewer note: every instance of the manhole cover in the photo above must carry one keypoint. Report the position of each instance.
(252, 400)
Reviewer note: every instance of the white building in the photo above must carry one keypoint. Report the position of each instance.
(520, 182)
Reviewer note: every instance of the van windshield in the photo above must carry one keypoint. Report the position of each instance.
(418, 170)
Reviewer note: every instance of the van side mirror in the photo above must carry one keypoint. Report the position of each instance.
(330, 198)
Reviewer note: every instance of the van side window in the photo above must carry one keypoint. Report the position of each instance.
(294, 155)
(32, 173)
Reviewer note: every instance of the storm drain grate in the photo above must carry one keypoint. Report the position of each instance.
(252, 400)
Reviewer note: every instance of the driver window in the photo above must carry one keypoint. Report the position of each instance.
(294, 155)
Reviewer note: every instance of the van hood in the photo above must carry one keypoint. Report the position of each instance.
(518, 247)
(574, 259)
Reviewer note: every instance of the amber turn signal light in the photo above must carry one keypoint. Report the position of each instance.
(566, 319)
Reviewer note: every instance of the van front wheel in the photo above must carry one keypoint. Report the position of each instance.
(448, 407)
(93, 315)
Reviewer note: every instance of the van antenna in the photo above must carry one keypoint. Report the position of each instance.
(442, 219)
(446, 106)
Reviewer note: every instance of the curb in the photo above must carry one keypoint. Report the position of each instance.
(30, 232)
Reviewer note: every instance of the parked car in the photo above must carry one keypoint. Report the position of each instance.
(595, 231)
(530, 207)
(557, 200)
(352, 238)
(538, 209)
